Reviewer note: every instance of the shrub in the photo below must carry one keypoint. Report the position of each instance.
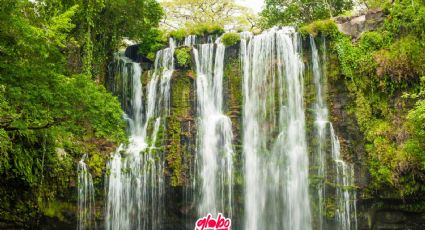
(321, 27)
(372, 40)
(215, 29)
(402, 60)
(200, 29)
(406, 17)
(204, 28)
(179, 34)
(230, 39)
(183, 56)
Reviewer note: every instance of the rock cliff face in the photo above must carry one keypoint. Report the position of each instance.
(354, 25)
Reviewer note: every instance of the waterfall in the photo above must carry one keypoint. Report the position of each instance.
(86, 203)
(275, 151)
(321, 123)
(190, 40)
(214, 151)
(274, 143)
(135, 180)
(344, 172)
(346, 210)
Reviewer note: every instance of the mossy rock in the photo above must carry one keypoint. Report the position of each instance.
(230, 39)
(184, 57)
(321, 27)
(178, 149)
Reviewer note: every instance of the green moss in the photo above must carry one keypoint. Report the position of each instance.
(378, 69)
(230, 39)
(151, 56)
(180, 112)
(179, 34)
(57, 209)
(159, 136)
(173, 157)
(322, 27)
(199, 29)
(96, 163)
(183, 56)
(202, 29)
(373, 40)
(403, 60)
(233, 91)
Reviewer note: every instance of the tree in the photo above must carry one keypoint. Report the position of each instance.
(101, 26)
(286, 12)
(50, 53)
(181, 13)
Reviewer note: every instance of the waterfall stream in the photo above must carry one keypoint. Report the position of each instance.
(135, 184)
(274, 189)
(344, 199)
(215, 151)
(274, 144)
(86, 203)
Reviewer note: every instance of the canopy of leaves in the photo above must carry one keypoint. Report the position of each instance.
(101, 25)
(286, 12)
(52, 111)
(186, 13)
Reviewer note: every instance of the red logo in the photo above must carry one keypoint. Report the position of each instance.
(209, 223)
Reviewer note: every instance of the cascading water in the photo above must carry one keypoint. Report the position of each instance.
(321, 124)
(190, 40)
(274, 143)
(214, 152)
(135, 184)
(345, 200)
(346, 210)
(86, 203)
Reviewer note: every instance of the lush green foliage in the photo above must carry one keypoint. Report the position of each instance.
(403, 60)
(321, 27)
(51, 109)
(284, 12)
(380, 68)
(183, 56)
(230, 39)
(179, 34)
(200, 30)
(101, 26)
(184, 13)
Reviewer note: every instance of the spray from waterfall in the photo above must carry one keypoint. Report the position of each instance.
(214, 152)
(86, 202)
(274, 143)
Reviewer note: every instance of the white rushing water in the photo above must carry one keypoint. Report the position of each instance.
(275, 175)
(86, 202)
(274, 143)
(190, 40)
(135, 180)
(214, 151)
(321, 124)
(345, 200)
